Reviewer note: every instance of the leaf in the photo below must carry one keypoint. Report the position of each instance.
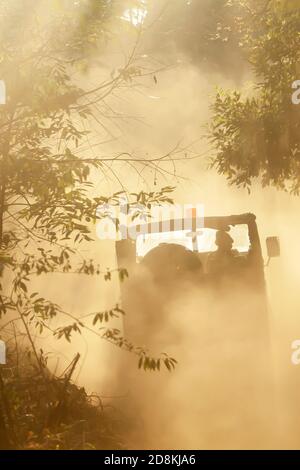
(23, 286)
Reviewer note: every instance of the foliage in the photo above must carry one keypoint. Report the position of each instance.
(47, 197)
(52, 413)
(256, 132)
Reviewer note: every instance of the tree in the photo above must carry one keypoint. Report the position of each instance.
(256, 132)
(47, 200)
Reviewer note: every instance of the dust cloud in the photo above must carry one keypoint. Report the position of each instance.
(197, 405)
(187, 409)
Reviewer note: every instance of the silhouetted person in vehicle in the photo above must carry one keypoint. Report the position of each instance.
(224, 243)
(223, 261)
